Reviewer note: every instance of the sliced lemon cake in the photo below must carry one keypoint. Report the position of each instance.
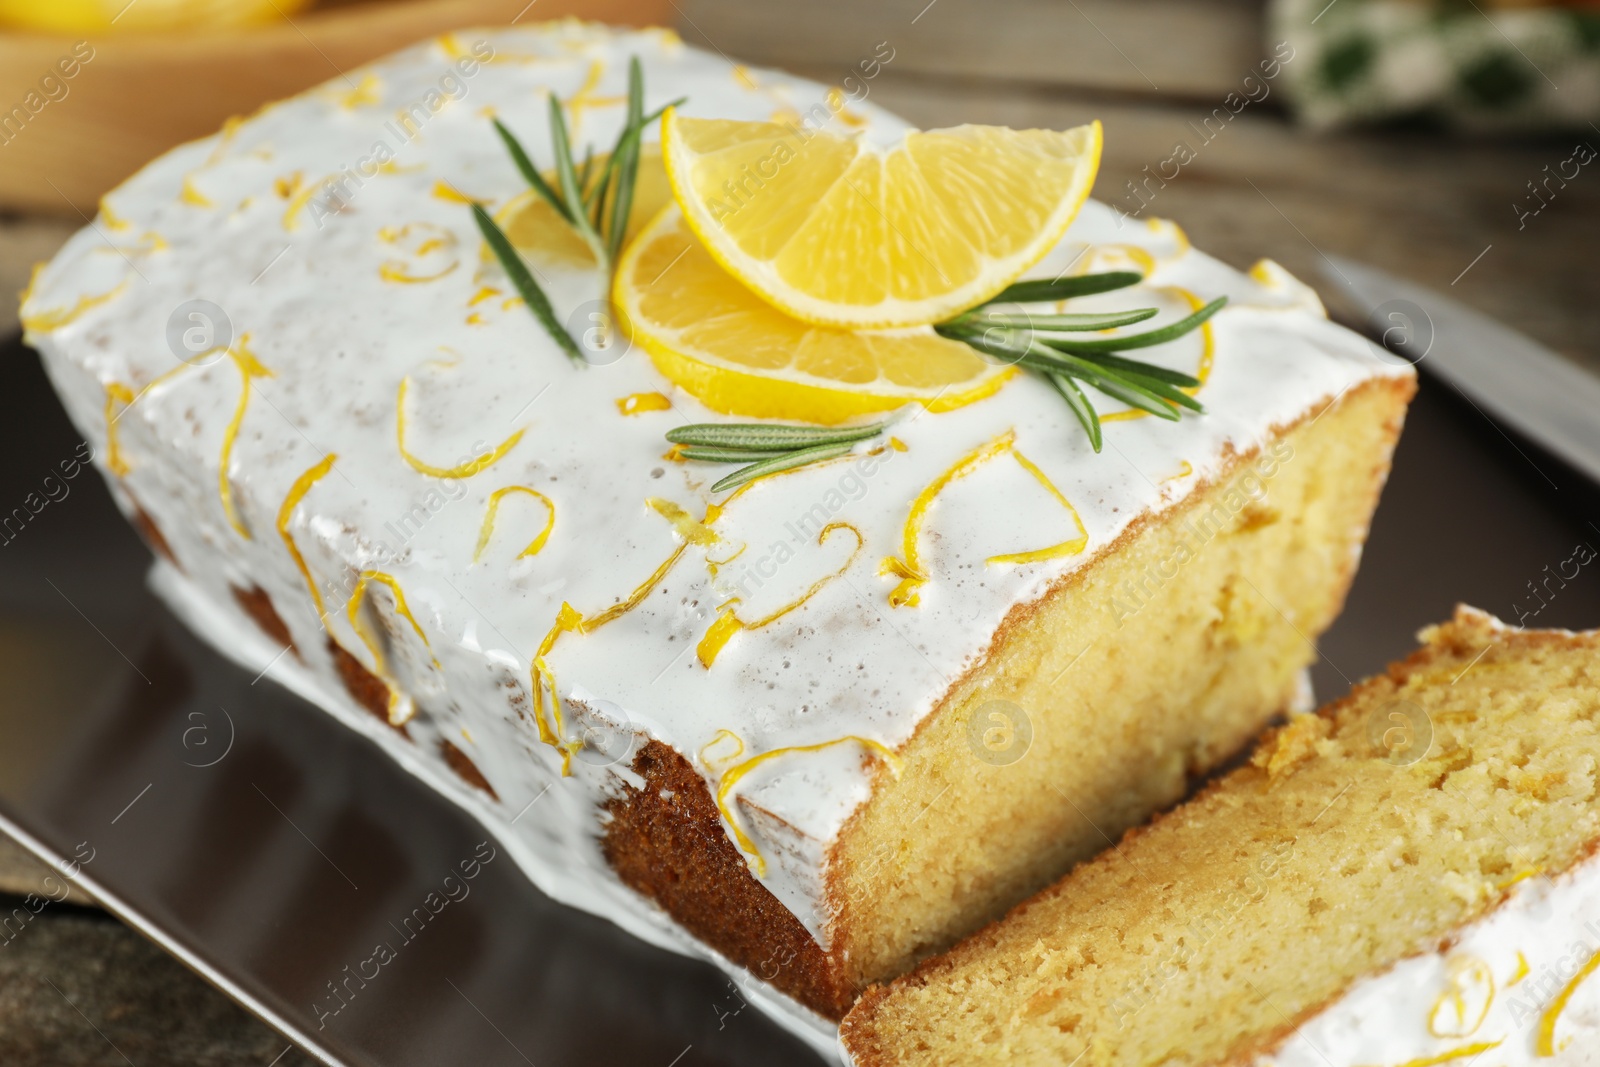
(1406, 877)
(973, 596)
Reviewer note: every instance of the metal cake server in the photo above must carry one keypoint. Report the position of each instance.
(1548, 399)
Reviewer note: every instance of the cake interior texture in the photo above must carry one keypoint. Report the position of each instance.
(1354, 838)
(1096, 707)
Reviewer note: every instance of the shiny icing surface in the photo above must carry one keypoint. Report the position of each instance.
(389, 446)
(1514, 989)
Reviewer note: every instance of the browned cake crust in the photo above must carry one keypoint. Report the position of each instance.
(465, 768)
(667, 841)
(367, 688)
(258, 605)
(153, 536)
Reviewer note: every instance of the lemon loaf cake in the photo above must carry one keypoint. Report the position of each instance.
(1406, 877)
(815, 726)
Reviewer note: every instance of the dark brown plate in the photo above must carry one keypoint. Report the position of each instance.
(271, 849)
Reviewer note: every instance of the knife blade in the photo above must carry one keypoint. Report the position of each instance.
(1515, 379)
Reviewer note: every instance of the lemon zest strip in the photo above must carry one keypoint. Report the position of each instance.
(365, 93)
(727, 624)
(1454, 1054)
(453, 49)
(299, 194)
(1183, 472)
(639, 403)
(464, 470)
(400, 709)
(302, 485)
(392, 270)
(192, 195)
(443, 190)
(713, 565)
(55, 318)
(1520, 876)
(1454, 997)
(1546, 1042)
(1070, 547)
(584, 98)
(1521, 971)
(909, 568)
(733, 775)
(569, 620)
(116, 393)
(114, 222)
(684, 525)
(717, 739)
(487, 530)
(718, 634)
(1168, 228)
(249, 367)
(230, 130)
(398, 270)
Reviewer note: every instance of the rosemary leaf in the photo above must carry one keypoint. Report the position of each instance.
(584, 169)
(1146, 370)
(1080, 406)
(627, 152)
(707, 454)
(567, 181)
(1035, 292)
(530, 172)
(1141, 340)
(1107, 381)
(1062, 323)
(1133, 395)
(1007, 345)
(782, 462)
(768, 437)
(1165, 392)
(526, 287)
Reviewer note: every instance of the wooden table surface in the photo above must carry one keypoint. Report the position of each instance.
(82, 989)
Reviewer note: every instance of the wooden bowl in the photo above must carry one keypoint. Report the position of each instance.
(77, 117)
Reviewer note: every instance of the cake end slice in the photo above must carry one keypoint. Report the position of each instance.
(1153, 664)
(1357, 893)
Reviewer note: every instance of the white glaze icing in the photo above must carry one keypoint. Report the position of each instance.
(337, 340)
(1509, 969)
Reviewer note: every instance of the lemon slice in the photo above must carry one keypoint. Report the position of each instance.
(534, 228)
(839, 232)
(101, 16)
(741, 356)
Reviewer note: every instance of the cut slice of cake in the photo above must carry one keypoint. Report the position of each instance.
(1406, 877)
(817, 728)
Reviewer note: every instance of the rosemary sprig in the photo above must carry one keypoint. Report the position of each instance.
(765, 448)
(1044, 344)
(596, 207)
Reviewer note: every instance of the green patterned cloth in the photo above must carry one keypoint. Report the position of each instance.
(1451, 61)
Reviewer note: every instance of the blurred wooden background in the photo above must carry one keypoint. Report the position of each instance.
(1426, 205)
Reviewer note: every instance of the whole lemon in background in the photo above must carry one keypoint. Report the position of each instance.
(117, 16)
